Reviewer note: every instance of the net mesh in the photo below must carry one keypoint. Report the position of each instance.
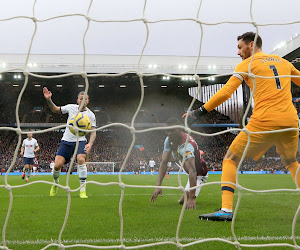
(235, 240)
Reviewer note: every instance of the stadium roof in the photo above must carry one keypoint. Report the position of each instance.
(291, 51)
(119, 63)
(62, 63)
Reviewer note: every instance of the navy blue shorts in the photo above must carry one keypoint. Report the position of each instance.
(66, 149)
(28, 161)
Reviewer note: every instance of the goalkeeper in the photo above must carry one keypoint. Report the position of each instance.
(194, 164)
(68, 142)
(273, 110)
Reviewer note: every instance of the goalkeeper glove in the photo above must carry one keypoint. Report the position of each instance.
(194, 115)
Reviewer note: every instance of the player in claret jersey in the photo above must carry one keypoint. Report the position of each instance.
(194, 165)
(273, 110)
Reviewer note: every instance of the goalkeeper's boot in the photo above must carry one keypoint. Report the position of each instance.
(83, 195)
(23, 175)
(53, 190)
(220, 215)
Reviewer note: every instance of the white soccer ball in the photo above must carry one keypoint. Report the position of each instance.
(80, 121)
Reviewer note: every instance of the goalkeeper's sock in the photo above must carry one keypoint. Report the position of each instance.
(55, 175)
(293, 169)
(82, 172)
(228, 174)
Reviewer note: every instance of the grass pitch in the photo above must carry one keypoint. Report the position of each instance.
(36, 218)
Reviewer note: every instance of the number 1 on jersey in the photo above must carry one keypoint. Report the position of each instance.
(275, 72)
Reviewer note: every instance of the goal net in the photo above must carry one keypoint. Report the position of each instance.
(196, 20)
(101, 167)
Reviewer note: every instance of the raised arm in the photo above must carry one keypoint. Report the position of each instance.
(52, 106)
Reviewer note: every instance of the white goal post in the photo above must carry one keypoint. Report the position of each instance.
(100, 166)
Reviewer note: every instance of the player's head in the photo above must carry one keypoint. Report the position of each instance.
(81, 98)
(29, 135)
(246, 43)
(174, 133)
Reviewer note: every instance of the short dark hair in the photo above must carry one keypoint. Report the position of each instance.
(249, 37)
(82, 93)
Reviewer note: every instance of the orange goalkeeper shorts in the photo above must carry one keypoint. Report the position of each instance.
(286, 142)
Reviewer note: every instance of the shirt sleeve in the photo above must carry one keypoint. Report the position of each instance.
(65, 109)
(36, 144)
(189, 151)
(23, 144)
(93, 120)
(224, 93)
(167, 146)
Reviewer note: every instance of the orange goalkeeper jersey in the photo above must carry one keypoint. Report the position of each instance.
(273, 104)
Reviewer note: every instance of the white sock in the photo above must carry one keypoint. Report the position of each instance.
(28, 173)
(82, 172)
(227, 210)
(55, 175)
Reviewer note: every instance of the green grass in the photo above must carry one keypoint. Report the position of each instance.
(36, 218)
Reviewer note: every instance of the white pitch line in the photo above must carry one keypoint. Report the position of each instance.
(145, 240)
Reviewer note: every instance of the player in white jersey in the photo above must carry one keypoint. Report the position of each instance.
(29, 147)
(68, 142)
(151, 165)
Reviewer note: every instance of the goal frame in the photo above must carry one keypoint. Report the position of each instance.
(104, 163)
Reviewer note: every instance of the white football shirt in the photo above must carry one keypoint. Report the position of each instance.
(29, 147)
(151, 163)
(72, 109)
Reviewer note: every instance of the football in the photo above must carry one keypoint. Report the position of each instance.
(80, 121)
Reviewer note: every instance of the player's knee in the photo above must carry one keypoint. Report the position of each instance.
(80, 160)
(57, 168)
(231, 156)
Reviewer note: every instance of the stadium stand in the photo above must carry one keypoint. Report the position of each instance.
(117, 106)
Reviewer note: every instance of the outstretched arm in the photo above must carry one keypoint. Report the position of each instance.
(52, 106)
(223, 94)
(218, 98)
(161, 174)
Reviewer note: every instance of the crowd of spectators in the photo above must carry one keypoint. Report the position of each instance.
(112, 145)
